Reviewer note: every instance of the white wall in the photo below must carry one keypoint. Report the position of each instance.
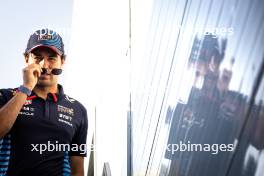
(97, 61)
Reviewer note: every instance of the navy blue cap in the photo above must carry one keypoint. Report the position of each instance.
(45, 38)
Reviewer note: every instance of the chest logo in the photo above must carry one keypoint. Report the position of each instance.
(66, 110)
(28, 102)
(28, 111)
(69, 99)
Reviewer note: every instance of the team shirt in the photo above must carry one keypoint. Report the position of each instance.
(44, 136)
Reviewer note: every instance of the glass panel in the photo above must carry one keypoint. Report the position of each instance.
(192, 82)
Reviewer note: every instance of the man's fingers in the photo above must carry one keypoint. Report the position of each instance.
(35, 69)
(37, 73)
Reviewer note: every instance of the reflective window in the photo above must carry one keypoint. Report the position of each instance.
(196, 87)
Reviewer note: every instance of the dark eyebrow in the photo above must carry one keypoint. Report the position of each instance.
(52, 55)
(49, 54)
(36, 53)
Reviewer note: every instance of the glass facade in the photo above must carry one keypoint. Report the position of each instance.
(197, 87)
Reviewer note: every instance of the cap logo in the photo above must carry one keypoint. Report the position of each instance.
(45, 37)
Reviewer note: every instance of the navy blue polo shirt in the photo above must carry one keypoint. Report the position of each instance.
(58, 123)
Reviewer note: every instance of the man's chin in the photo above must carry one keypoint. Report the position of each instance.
(44, 83)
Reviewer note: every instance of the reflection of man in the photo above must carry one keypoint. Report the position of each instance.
(39, 124)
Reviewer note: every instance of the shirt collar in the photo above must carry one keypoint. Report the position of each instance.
(53, 96)
(60, 94)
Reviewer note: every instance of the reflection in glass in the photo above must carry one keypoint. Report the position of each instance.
(192, 85)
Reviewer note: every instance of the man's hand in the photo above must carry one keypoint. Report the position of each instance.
(30, 75)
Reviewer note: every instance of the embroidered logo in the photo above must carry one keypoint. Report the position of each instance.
(28, 109)
(66, 110)
(69, 99)
(69, 118)
(28, 102)
(26, 113)
(45, 37)
(65, 119)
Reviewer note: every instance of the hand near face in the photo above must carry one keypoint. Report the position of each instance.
(30, 75)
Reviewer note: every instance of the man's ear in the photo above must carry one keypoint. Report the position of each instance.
(63, 58)
(26, 57)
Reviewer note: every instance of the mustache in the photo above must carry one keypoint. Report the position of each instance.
(54, 71)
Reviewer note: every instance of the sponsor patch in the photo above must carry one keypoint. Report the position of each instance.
(27, 113)
(69, 99)
(28, 102)
(45, 37)
(66, 110)
(69, 118)
(28, 109)
(64, 121)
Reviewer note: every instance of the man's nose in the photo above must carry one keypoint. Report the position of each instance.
(43, 63)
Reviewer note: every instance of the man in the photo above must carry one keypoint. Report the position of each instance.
(42, 130)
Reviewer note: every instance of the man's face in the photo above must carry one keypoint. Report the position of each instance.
(48, 59)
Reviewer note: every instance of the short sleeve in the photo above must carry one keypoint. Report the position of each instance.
(78, 144)
(5, 96)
